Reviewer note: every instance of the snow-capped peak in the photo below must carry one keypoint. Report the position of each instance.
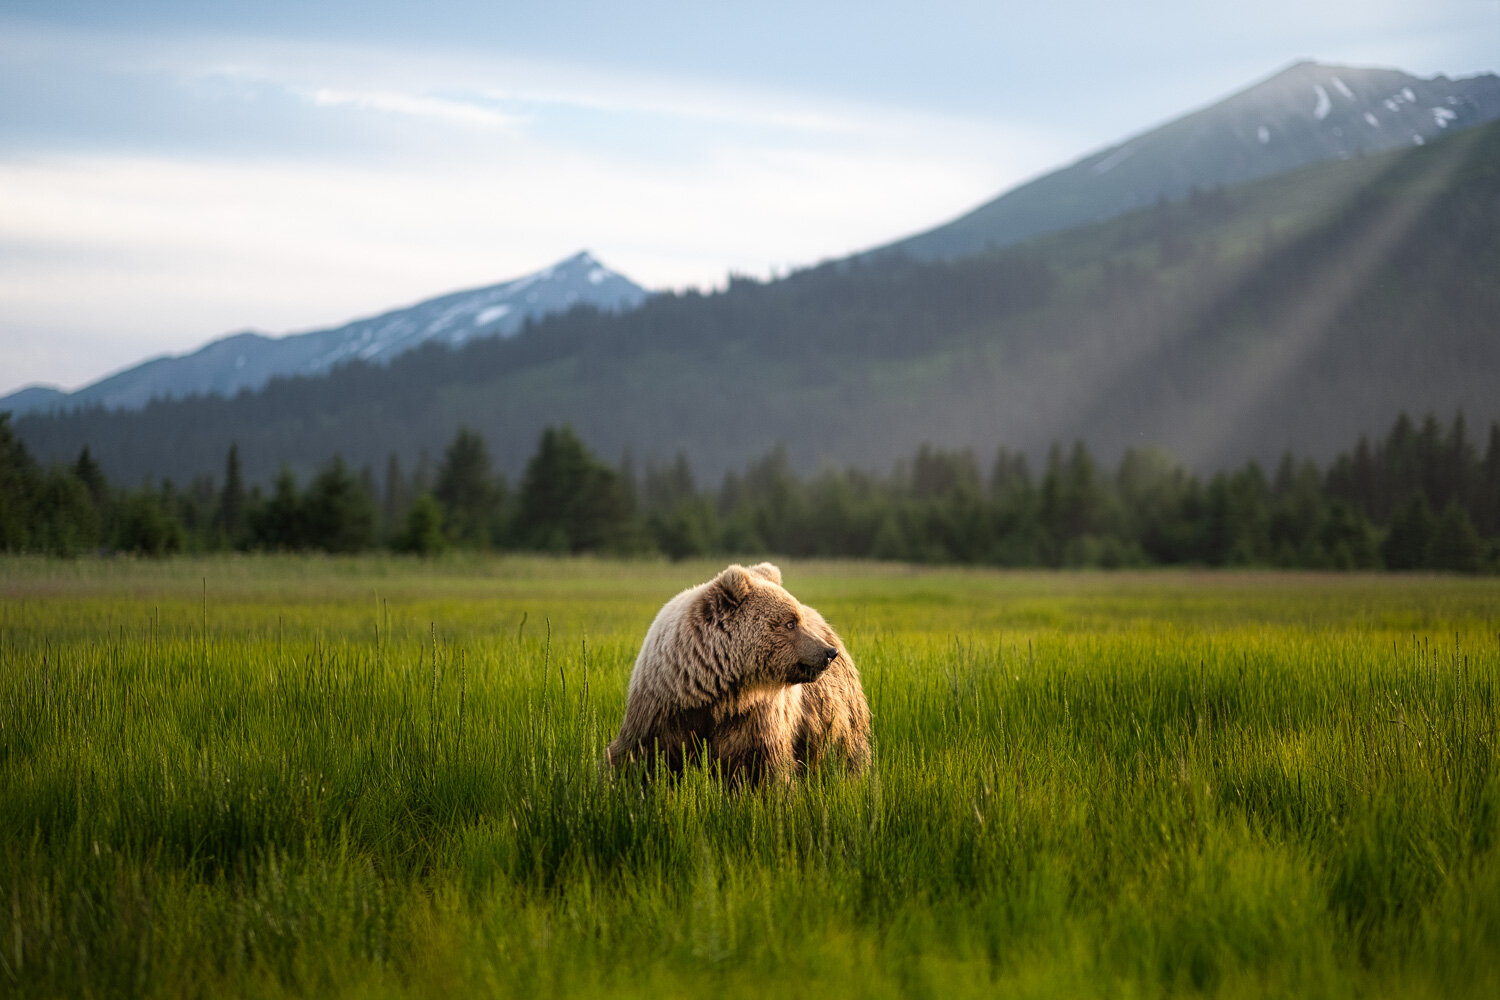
(495, 310)
(230, 364)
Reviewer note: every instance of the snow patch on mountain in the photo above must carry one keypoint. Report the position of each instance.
(250, 360)
(1323, 105)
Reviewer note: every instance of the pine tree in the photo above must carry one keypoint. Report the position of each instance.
(1236, 530)
(198, 509)
(18, 488)
(1365, 480)
(1009, 476)
(339, 513)
(1154, 492)
(65, 520)
(421, 479)
(1455, 545)
(393, 496)
(1432, 463)
(1407, 544)
(92, 476)
(279, 523)
(1399, 466)
(772, 497)
(467, 491)
(1298, 510)
(1458, 462)
(423, 533)
(146, 528)
(1075, 500)
(1487, 504)
(1348, 538)
(936, 473)
(685, 531)
(232, 498)
(570, 501)
(668, 487)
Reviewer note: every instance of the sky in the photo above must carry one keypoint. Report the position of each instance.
(174, 171)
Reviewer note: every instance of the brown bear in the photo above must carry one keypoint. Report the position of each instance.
(739, 671)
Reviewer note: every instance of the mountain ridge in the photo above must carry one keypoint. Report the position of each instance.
(247, 360)
(1307, 112)
(1288, 314)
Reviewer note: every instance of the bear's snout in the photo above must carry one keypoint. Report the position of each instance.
(812, 665)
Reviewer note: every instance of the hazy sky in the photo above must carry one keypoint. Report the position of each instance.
(174, 171)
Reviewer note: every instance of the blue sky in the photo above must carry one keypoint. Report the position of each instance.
(173, 171)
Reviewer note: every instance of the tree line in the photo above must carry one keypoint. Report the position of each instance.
(1422, 497)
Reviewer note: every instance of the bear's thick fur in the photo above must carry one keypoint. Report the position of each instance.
(739, 670)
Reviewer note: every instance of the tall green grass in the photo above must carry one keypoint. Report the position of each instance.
(382, 778)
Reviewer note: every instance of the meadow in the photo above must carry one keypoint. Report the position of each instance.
(302, 776)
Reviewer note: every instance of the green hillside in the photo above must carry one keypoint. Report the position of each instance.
(1294, 313)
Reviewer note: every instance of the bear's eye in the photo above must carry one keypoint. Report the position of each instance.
(791, 623)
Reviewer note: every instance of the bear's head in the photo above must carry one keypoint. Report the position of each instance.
(772, 632)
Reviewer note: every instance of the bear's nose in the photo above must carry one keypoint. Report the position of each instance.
(830, 654)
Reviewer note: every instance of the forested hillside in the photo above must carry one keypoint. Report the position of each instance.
(1291, 314)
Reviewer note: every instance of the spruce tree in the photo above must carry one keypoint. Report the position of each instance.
(393, 499)
(278, 523)
(570, 501)
(1347, 538)
(1487, 505)
(145, 528)
(92, 476)
(466, 489)
(1455, 545)
(232, 497)
(1406, 545)
(339, 513)
(422, 534)
(65, 521)
(18, 488)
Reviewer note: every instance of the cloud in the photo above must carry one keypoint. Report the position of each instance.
(457, 112)
(163, 253)
(502, 78)
(165, 190)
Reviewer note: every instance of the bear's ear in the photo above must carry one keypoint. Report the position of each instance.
(734, 583)
(769, 571)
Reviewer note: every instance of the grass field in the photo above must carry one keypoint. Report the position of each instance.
(375, 777)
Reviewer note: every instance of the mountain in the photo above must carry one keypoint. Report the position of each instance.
(249, 360)
(34, 397)
(1293, 313)
(1307, 113)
